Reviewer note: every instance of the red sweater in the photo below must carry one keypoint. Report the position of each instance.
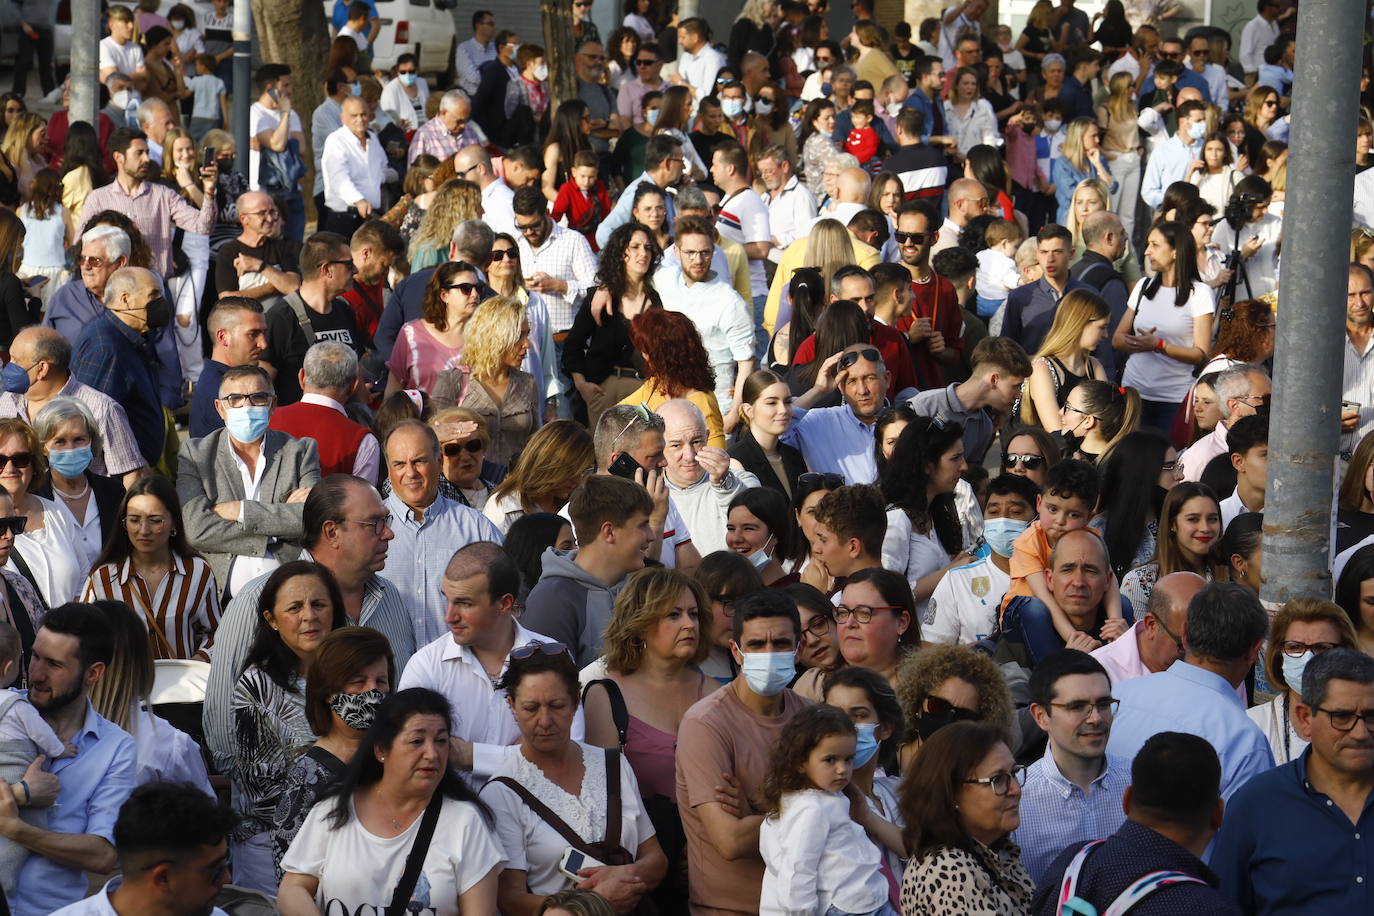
(934, 299)
(890, 344)
(336, 436)
(862, 143)
(585, 212)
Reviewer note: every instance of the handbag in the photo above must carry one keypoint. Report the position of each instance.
(400, 898)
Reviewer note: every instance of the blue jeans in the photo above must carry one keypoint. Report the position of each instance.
(760, 335)
(1029, 621)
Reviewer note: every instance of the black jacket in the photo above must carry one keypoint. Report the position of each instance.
(750, 454)
(108, 493)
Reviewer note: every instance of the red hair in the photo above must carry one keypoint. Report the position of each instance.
(673, 352)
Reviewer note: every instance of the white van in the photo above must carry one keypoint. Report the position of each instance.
(415, 26)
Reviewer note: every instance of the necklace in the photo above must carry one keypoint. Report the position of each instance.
(74, 496)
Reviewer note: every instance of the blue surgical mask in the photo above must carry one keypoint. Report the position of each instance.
(867, 744)
(70, 462)
(15, 378)
(246, 424)
(1000, 533)
(407, 79)
(651, 117)
(1293, 669)
(761, 556)
(1197, 130)
(732, 108)
(355, 88)
(767, 673)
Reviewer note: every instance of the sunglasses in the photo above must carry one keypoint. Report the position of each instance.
(20, 460)
(646, 62)
(1029, 462)
(500, 254)
(852, 357)
(528, 650)
(829, 481)
(467, 289)
(911, 238)
(939, 706)
(14, 524)
(452, 449)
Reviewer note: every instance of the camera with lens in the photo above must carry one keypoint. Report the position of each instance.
(1237, 212)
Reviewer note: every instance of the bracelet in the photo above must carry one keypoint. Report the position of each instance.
(1159, 345)
(24, 784)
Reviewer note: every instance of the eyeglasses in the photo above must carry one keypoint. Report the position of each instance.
(1000, 782)
(347, 264)
(530, 649)
(646, 61)
(265, 214)
(1029, 462)
(824, 61)
(1077, 410)
(256, 399)
(1083, 708)
(500, 254)
(89, 261)
(1263, 399)
(472, 446)
(819, 625)
(1171, 55)
(1294, 649)
(467, 289)
(14, 524)
(211, 871)
(1168, 632)
(461, 172)
(1343, 720)
(939, 706)
(911, 238)
(1168, 467)
(853, 356)
(727, 604)
(861, 612)
(20, 460)
(138, 521)
(378, 525)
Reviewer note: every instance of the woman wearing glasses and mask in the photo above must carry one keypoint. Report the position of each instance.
(428, 344)
(47, 549)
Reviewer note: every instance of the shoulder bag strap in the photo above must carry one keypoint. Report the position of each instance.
(613, 808)
(620, 715)
(1146, 885)
(546, 815)
(416, 860)
(302, 317)
(24, 570)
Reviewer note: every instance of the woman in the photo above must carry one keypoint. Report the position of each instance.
(1262, 113)
(842, 324)
(1030, 452)
(649, 208)
(13, 106)
(1205, 406)
(887, 430)
(405, 95)
(599, 356)
(811, 488)
(300, 605)
(529, 536)
(772, 126)
(419, 189)
(873, 64)
(969, 118)
(1245, 335)
(1167, 327)
(808, 292)
(766, 407)
(886, 196)
(986, 166)
(1121, 145)
(1037, 40)
(19, 308)
(1302, 629)
(637, 14)
(1136, 476)
(1200, 217)
(999, 87)
(48, 229)
(353, 848)
(724, 576)
(1259, 240)
(20, 604)
(506, 397)
(232, 184)
(1080, 158)
(1189, 536)
(1092, 196)
(1052, 72)
(1065, 358)
(343, 55)
(1362, 247)
(891, 629)
(817, 143)
(621, 50)
(456, 201)
(352, 674)
(752, 30)
(1097, 415)
(1217, 178)
(940, 684)
(428, 344)
(1355, 502)
(814, 30)
(1243, 547)
(83, 169)
(555, 460)
(505, 277)
(675, 366)
(1354, 592)
(572, 125)
(48, 549)
(1114, 32)
(674, 120)
(24, 145)
(924, 539)
(960, 803)
(148, 564)
(463, 441)
(162, 77)
(550, 772)
(820, 646)
(760, 528)
(186, 287)
(628, 155)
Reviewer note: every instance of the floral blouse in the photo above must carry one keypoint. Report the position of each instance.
(952, 882)
(312, 773)
(271, 732)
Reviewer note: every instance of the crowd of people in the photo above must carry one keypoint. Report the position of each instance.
(796, 475)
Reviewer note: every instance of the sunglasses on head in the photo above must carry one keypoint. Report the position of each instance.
(14, 524)
(852, 357)
(543, 648)
(452, 449)
(1029, 462)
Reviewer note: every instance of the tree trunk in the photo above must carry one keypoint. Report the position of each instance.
(558, 48)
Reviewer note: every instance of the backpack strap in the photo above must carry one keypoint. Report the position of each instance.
(302, 317)
(1070, 904)
(620, 714)
(1146, 885)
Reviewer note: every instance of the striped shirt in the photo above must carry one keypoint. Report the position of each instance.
(565, 255)
(181, 613)
(157, 210)
(118, 449)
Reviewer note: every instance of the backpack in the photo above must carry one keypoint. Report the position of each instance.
(1073, 905)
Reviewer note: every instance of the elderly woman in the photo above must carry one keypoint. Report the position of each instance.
(961, 801)
(300, 605)
(148, 564)
(352, 674)
(20, 605)
(48, 549)
(506, 397)
(554, 461)
(463, 439)
(352, 850)
(72, 446)
(551, 780)
(942, 684)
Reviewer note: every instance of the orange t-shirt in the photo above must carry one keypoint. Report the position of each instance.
(1030, 555)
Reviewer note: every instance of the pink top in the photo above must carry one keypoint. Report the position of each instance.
(1020, 156)
(1121, 658)
(653, 754)
(419, 356)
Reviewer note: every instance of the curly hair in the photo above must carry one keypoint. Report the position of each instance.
(673, 352)
(611, 273)
(647, 597)
(434, 309)
(922, 671)
(455, 201)
(1243, 329)
(492, 334)
(808, 728)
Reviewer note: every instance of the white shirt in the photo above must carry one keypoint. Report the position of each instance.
(126, 58)
(817, 858)
(1231, 506)
(1154, 375)
(403, 108)
(1258, 34)
(699, 71)
(261, 118)
(353, 170)
(1357, 384)
(950, 32)
(1215, 78)
(471, 55)
(53, 553)
(721, 317)
(369, 457)
(675, 533)
(744, 218)
(498, 208)
(22, 722)
(963, 607)
(907, 551)
(997, 274)
(704, 507)
(789, 215)
(88, 536)
(359, 38)
(99, 904)
(243, 569)
(565, 255)
(1263, 266)
(165, 752)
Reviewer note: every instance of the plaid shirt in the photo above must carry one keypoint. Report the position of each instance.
(155, 209)
(114, 358)
(565, 255)
(434, 138)
(119, 451)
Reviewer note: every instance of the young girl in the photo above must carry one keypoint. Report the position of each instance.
(48, 229)
(817, 860)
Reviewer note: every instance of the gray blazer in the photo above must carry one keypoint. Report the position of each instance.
(207, 476)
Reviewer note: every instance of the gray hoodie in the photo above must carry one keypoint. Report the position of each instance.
(570, 605)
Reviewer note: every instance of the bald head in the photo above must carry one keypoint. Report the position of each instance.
(1189, 94)
(1170, 597)
(967, 199)
(36, 343)
(473, 160)
(127, 282)
(356, 117)
(253, 202)
(1103, 233)
(852, 186)
(680, 413)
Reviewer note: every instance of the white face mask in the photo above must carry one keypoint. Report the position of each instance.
(541, 72)
(895, 108)
(1052, 125)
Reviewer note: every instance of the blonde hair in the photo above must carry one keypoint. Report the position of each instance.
(829, 248)
(169, 169)
(1304, 610)
(1076, 311)
(1041, 15)
(1360, 240)
(557, 454)
(17, 137)
(646, 599)
(1279, 180)
(457, 200)
(1118, 104)
(491, 333)
(1072, 149)
(1095, 185)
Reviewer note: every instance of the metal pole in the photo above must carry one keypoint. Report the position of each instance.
(85, 71)
(1304, 432)
(243, 81)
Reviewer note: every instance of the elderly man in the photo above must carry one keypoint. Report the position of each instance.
(449, 132)
(839, 440)
(1197, 694)
(590, 64)
(354, 168)
(967, 198)
(1299, 838)
(120, 111)
(46, 356)
(78, 302)
(474, 164)
(238, 336)
(700, 482)
(428, 525)
(258, 264)
(663, 164)
(850, 197)
(1241, 391)
(329, 377)
(791, 205)
(154, 208)
(155, 119)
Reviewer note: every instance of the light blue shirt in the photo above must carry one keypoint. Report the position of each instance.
(416, 559)
(1056, 813)
(1168, 163)
(620, 213)
(1192, 700)
(98, 904)
(95, 783)
(206, 89)
(834, 441)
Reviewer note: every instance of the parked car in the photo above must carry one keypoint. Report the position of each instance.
(419, 27)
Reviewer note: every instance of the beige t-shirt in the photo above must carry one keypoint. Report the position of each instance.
(719, 735)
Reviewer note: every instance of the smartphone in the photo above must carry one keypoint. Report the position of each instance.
(625, 466)
(1350, 405)
(574, 861)
(37, 283)
(207, 156)
(272, 93)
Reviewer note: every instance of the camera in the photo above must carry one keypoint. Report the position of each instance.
(1237, 212)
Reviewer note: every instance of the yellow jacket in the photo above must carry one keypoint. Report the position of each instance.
(865, 256)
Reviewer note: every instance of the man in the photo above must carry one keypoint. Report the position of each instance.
(729, 736)
(1247, 444)
(753, 73)
(734, 105)
(1197, 694)
(1073, 793)
(1258, 34)
(475, 52)
(347, 529)
(375, 245)
(700, 481)
(1172, 49)
(354, 168)
(473, 163)
(1357, 378)
(1297, 839)
(572, 601)
(590, 65)
(850, 192)
(1173, 809)
(1084, 65)
(967, 199)
(891, 293)
(848, 536)
(925, 99)
(839, 440)
(920, 167)
(522, 166)
(480, 587)
(968, 52)
(154, 119)
(428, 525)
(699, 62)
(743, 216)
(720, 315)
(324, 120)
(113, 354)
(121, 110)
(313, 312)
(729, 259)
(1030, 308)
(497, 101)
(258, 264)
(999, 367)
(276, 125)
(959, 19)
(450, 131)
(239, 335)
(791, 206)
(933, 328)
(557, 261)
(647, 78)
(1241, 391)
(1199, 56)
(1173, 159)
(242, 488)
(1104, 239)
(119, 53)
(890, 100)
(963, 607)
(329, 378)
(154, 208)
(663, 165)
(71, 651)
(172, 843)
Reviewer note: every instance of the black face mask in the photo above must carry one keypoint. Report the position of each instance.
(159, 313)
(928, 723)
(225, 163)
(1068, 443)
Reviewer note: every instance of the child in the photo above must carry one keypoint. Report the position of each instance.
(47, 226)
(583, 199)
(816, 858)
(997, 273)
(1071, 493)
(1163, 123)
(210, 108)
(862, 142)
(23, 736)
